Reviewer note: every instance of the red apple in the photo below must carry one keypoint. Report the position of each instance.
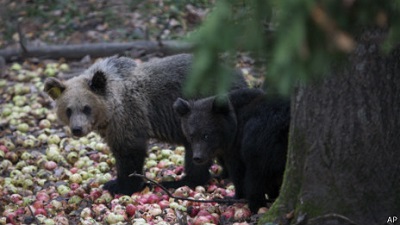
(42, 196)
(200, 220)
(41, 211)
(3, 148)
(163, 204)
(153, 198)
(131, 209)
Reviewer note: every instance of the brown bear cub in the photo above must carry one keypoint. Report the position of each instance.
(127, 104)
(249, 130)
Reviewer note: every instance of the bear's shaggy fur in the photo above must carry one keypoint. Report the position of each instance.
(249, 131)
(127, 104)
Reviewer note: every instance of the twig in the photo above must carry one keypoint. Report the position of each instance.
(36, 219)
(22, 39)
(224, 201)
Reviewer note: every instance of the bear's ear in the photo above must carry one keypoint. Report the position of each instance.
(221, 105)
(98, 83)
(181, 107)
(53, 87)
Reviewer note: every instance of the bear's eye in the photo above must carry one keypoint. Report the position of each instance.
(87, 110)
(69, 112)
(205, 137)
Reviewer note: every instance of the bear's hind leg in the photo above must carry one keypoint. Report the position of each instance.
(255, 188)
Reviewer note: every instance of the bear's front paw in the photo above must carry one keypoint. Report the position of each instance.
(124, 187)
(111, 186)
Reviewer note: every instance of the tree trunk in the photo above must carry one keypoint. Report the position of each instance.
(343, 162)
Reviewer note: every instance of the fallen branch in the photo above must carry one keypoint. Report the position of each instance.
(224, 201)
(95, 50)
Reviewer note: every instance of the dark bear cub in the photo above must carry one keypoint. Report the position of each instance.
(249, 131)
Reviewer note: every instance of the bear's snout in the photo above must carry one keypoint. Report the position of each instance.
(77, 131)
(199, 158)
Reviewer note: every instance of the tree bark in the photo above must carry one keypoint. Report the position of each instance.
(343, 162)
(94, 50)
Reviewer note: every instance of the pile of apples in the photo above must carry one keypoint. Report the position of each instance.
(48, 177)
